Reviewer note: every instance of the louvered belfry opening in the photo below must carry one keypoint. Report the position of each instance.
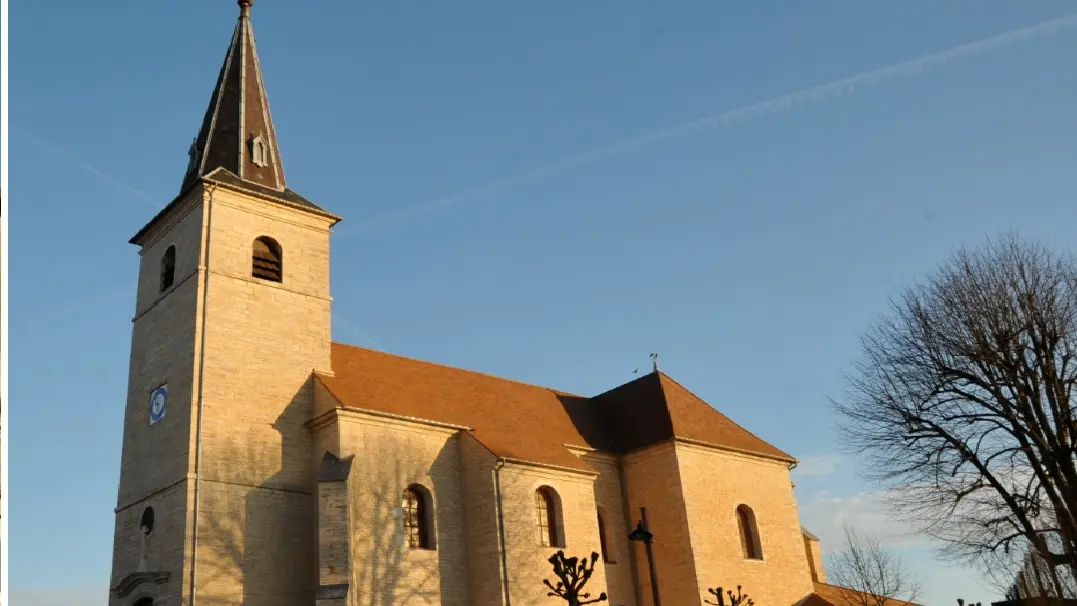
(267, 263)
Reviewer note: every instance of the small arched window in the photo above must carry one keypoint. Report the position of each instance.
(602, 540)
(267, 261)
(146, 523)
(417, 518)
(546, 518)
(259, 151)
(144, 602)
(168, 268)
(750, 545)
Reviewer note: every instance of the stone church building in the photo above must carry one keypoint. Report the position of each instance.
(266, 465)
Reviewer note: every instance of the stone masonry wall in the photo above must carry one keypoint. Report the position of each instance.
(527, 559)
(162, 352)
(257, 507)
(155, 460)
(483, 540)
(390, 456)
(610, 501)
(715, 483)
(814, 552)
(653, 480)
(164, 547)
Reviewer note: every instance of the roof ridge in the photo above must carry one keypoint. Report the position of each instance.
(724, 416)
(459, 369)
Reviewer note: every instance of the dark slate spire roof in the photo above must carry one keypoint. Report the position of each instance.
(237, 132)
(236, 123)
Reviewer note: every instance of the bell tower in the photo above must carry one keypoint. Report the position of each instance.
(232, 315)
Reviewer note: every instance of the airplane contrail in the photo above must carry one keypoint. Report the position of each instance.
(89, 168)
(340, 319)
(776, 105)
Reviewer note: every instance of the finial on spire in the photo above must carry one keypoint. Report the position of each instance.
(245, 7)
(654, 360)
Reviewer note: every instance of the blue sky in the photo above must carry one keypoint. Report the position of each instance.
(749, 252)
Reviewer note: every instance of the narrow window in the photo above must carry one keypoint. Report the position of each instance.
(168, 268)
(602, 540)
(258, 151)
(546, 522)
(267, 262)
(416, 519)
(749, 534)
(146, 523)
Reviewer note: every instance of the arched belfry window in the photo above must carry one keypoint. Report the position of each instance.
(417, 518)
(750, 546)
(267, 261)
(168, 268)
(546, 518)
(144, 602)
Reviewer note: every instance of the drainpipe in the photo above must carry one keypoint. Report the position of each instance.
(201, 392)
(501, 532)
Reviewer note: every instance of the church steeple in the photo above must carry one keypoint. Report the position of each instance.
(237, 132)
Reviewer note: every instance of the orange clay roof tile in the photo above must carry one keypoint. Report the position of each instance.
(530, 423)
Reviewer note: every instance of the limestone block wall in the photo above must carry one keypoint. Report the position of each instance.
(163, 343)
(715, 483)
(263, 340)
(609, 499)
(481, 522)
(653, 480)
(164, 547)
(391, 455)
(257, 509)
(578, 525)
(156, 460)
(254, 546)
(814, 552)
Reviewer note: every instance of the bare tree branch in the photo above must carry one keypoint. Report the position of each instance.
(962, 405)
(870, 575)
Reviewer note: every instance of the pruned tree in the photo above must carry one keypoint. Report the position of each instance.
(962, 405)
(740, 599)
(572, 575)
(869, 574)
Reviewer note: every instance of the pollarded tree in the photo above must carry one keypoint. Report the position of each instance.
(572, 575)
(741, 599)
(963, 404)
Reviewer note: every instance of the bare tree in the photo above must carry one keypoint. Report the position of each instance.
(741, 599)
(962, 405)
(1033, 580)
(572, 576)
(869, 574)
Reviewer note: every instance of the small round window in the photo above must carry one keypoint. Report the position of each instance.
(147, 521)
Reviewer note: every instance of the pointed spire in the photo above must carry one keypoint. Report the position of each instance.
(237, 132)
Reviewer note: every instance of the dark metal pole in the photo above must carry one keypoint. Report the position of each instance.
(650, 557)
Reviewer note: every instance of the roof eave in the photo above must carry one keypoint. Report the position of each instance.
(138, 238)
(784, 458)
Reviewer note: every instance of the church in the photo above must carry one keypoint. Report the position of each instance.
(264, 464)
